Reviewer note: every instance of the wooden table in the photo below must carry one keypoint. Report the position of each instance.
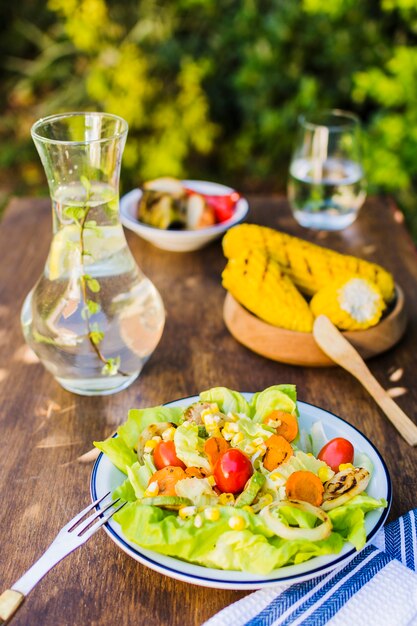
(44, 428)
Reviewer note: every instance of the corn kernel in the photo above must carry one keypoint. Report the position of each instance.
(273, 423)
(187, 511)
(237, 439)
(168, 434)
(207, 417)
(258, 441)
(233, 417)
(230, 427)
(152, 490)
(211, 481)
(325, 474)
(250, 449)
(267, 499)
(345, 466)
(156, 438)
(226, 435)
(248, 508)
(212, 514)
(226, 498)
(210, 411)
(236, 522)
(198, 521)
(263, 501)
(213, 431)
(150, 445)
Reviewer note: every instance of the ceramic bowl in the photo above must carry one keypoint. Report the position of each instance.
(181, 240)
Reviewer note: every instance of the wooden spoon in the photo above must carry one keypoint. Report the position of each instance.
(332, 342)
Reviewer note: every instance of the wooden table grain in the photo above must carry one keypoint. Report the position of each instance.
(44, 429)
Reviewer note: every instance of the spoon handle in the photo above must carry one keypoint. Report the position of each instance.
(404, 425)
(338, 348)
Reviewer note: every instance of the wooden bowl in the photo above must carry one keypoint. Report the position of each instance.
(295, 348)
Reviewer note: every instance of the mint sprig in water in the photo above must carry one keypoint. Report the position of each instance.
(90, 285)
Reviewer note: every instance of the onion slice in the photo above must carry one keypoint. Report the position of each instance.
(288, 532)
(344, 486)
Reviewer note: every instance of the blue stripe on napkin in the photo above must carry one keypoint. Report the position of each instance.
(408, 541)
(284, 602)
(401, 539)
(339, 598)
(316, 601)
(393, 540)
(344, 591)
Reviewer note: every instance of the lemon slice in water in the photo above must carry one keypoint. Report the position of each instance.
(65, 251)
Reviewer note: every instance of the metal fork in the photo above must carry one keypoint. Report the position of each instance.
(70, 537)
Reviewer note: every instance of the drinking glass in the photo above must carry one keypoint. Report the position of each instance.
(92, 318)
(326, 185)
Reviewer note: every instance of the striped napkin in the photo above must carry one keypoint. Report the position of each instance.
(377, 587)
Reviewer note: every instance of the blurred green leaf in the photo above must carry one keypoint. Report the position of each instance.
(213, 90)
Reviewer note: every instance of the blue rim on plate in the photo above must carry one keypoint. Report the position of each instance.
(223, 579)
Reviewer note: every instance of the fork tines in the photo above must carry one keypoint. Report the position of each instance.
(82, 527)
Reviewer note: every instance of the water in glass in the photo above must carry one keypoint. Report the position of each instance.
(326, 183)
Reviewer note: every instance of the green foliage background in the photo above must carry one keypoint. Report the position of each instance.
(212, 88)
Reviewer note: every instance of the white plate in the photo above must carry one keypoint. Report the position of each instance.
(105, 477)
(181, 240)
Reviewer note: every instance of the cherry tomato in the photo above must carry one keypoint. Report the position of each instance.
(222, 205)
(165, 454)
(232, 471)
(335, 452)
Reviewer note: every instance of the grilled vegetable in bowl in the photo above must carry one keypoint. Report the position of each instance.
(277, 284)
(351, 304)
(167, 203)
(226, 509)
(309, 266)
(268, 271)
(162, 204)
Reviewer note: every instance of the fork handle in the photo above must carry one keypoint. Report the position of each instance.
(10, 600)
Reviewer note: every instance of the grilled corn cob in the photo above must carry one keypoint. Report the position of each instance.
(308, 265)
(354, 304)
(258, 282)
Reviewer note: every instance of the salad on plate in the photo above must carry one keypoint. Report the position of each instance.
(236, 484)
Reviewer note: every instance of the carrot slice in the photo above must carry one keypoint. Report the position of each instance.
(288, 427)
(305, 486)
(214, 447)
(194, 472)
(167, 478)
(278, 450)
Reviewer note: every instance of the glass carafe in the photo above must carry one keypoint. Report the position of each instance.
(92, 318)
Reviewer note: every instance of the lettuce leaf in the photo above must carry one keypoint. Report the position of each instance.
(349, 519)
(318, 437)
(227, 400)
(139, 419)
(214, 544)
(125, 491)
(119, 453)
(139, 475)
(189, 446)
(275, 398)
(198, 490)
(120, 449)
(251, 430)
